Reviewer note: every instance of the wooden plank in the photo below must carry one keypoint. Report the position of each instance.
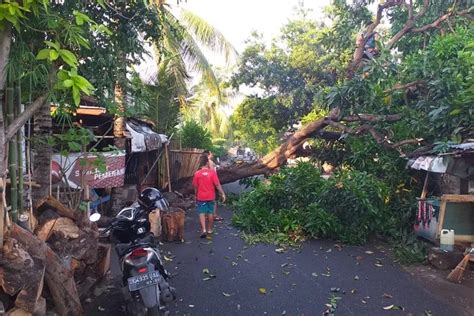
(168, 174)
(456, 201)
(425, 186)
(442, 211)
(457, 198)
(185, 151)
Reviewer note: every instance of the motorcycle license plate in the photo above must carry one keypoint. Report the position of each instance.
(143, 280)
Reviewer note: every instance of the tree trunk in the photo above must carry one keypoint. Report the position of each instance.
(172, 222)
(271, 161)
(43, 152)
(119, 142)
(59, 278)
(119, 122)
(21, 274)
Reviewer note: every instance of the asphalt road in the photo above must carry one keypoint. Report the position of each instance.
(224, 276)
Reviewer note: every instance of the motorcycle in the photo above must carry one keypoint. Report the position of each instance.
(144, 278)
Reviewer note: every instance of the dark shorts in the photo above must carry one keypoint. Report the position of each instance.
(205, 207)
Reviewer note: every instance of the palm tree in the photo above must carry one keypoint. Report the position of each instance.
(208, 109)
(180, 49)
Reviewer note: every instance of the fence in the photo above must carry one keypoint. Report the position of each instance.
(183, 163)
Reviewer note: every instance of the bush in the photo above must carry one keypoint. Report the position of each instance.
(349, 207)
(194, 135)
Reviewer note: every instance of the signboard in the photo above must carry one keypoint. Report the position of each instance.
(76, 164)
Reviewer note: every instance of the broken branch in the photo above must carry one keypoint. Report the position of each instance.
(405, 86)
(372, 118)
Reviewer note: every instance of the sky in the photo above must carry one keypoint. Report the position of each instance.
(236, 19)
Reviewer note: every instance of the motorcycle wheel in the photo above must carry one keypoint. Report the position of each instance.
(136, 308)
(167, 296)
(155, 311)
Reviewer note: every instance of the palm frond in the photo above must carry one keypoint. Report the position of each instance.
(198, 62)
(178, 36)
(208, 35)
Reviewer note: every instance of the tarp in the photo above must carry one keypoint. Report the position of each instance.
(143, 137)
(430, 163)
(459, 167)
(73, 164)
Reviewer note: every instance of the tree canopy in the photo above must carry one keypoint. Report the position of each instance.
(423, 72)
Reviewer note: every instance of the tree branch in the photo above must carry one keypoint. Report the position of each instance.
(409, 26)
(438, 21)
(372, 118)
(21, 120)
(405, 86)
(407, 142)
(362, 40)
(340, 126)
(410, 23)
(379, 137)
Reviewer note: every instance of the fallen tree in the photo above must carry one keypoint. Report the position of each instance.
(355, 124)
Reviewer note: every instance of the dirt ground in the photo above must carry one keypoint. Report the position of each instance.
(461, 295)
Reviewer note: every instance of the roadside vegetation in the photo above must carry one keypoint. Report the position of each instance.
(426, 81)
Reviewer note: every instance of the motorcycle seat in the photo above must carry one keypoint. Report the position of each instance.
(123, 248)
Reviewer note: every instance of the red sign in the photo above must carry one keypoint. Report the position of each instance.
(75, 164)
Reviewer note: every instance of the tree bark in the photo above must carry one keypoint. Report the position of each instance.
(59, 279)
(119, 122)
(173, 224)
(43, 152)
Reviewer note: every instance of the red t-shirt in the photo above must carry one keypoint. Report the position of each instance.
(205, 181)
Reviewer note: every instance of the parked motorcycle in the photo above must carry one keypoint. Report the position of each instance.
(145, 280)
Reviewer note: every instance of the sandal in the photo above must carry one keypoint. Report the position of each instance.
(218, 218)
(203, 235)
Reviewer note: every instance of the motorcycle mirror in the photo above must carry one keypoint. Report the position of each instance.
(95, 216)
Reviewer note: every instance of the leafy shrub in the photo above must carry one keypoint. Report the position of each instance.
(350, 207)
(194, 135)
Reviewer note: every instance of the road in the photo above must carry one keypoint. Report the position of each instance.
(224, 276)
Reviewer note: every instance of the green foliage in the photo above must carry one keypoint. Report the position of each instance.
(155, 101)
(72, 140)
(447, 64)
(256, 123)
(297, 201)
(193, 135)
(294, 72)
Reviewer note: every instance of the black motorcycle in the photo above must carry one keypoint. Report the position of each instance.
(144, 278)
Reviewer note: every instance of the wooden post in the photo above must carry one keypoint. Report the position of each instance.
(168, 173)
(2, 210)
(425, 186)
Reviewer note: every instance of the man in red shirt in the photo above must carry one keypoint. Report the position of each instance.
(205, 183)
